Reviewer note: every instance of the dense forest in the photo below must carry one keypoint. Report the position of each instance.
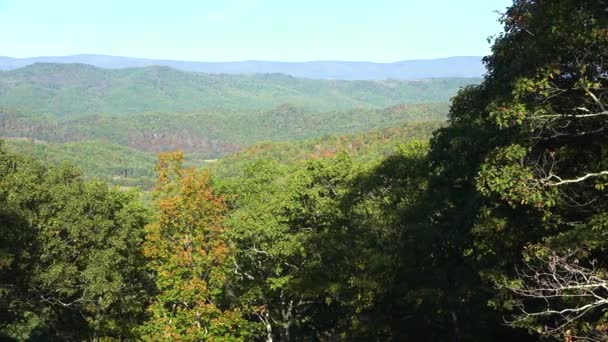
(491, 228)
(212, 134)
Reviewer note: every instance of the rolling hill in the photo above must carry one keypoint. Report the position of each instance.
(70, 90)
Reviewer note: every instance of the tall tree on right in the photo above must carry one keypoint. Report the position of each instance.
(530, 145)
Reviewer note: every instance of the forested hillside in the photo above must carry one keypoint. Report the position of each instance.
(113, 163)
(494, 229)
(69, 90)
(363, 147)
(130, 167)
(158, 109)
(212, 132)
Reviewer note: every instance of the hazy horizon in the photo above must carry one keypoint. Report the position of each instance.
(240, 60)
(250, 30)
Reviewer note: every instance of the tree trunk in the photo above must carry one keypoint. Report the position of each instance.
(286, 313)
(268, 328)
(286, 334)
(457, 336)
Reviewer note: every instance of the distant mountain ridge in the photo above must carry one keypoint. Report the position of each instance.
(461, 66)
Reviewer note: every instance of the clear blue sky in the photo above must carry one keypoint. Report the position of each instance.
(228, 30)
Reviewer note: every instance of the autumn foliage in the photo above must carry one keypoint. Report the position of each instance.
(188, 255)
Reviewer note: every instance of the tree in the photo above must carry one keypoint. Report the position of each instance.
(317, 245)
(541, 173)
(187, 252)
(269, 256)
(71, 267)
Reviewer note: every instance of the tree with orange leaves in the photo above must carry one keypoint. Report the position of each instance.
(187, 253)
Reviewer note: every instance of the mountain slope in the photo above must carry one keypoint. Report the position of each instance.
(113, 163)
(76, 90)
(465, 66)
(211, 134)
(364, 146)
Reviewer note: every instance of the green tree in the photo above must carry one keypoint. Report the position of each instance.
(548, 72)
(268, 256)
(517, 178)
(71, 267)
(317, 245)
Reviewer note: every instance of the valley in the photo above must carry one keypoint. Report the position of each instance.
(112, 122)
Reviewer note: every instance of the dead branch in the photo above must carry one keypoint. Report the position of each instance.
(548, 180)
(557, 293)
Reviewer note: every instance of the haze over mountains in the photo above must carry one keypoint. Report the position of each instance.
(463, 66)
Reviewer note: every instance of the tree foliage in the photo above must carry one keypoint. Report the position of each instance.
(69, 250)
(188, 255)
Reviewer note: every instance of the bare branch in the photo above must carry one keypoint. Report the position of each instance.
(557, 292)
(590, 115)
(547, 181)
(595, 99)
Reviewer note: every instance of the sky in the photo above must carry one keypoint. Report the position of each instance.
(234, 30)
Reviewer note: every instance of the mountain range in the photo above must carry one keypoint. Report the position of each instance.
(112, 122)
(462, 66)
